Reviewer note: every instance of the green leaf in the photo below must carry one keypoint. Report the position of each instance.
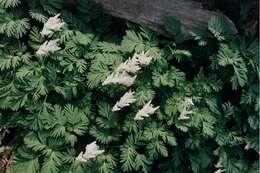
(172, 25)
(219, 27)
(172, 78)
(133, 41)
(128, 155)
(227, 56)
(35, 14)
(142, 163)
(155, 148)
(83, 39)
(51, 164)
(254, 168)
(236, 166)
(9, 3)
(31, 140)
(107, 47)
(180, 55)
(101, 67)
(200, 35)
(26, 161)
(143, 95)
(15, 28)
(107, 163)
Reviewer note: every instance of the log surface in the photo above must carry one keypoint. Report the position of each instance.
(153, 12)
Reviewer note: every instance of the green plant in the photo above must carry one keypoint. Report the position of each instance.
(53, 102)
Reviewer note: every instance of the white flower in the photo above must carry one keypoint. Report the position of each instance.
(130, 66)
(147, 110)
(247, 147)
(124, 101)
(52, 24)
(218, 165)
(120, 78)
(80, 157)
(143, 58)
(123, 73)
(183, 108)
(216, 151)
(220, 170)
(48, 46)
(184, 115)
(92, 150)
(189, 101)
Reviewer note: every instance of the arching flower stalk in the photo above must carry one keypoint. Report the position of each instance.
(52, 24)
(124, 101)
(143, 58)
(125, 71)
(120, 78)
(146, 111)
(92, 150)
(48, 46)
(184, 112)
(220, 170)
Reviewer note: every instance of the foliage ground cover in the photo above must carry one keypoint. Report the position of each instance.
(192, 107)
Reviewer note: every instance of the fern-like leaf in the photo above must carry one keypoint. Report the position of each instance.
(9, 3)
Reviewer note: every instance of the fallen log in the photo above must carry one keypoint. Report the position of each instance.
(153, 13)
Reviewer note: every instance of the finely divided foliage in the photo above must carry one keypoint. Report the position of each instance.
(66, 80)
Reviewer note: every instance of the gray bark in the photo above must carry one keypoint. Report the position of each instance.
(153, 12)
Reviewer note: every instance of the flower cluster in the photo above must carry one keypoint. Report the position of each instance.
(143, 58)
(120, 78)
(124, 75)
(52, 24)
(247, 147)
(219, 165)
(92, 150)
(216, 151)
(125, 72)
(48, 46)
(220, 171)
(124, 101)
(184, 112)
(131, 66)
(145, 111)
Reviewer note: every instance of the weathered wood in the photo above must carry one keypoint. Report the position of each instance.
(153, 12)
